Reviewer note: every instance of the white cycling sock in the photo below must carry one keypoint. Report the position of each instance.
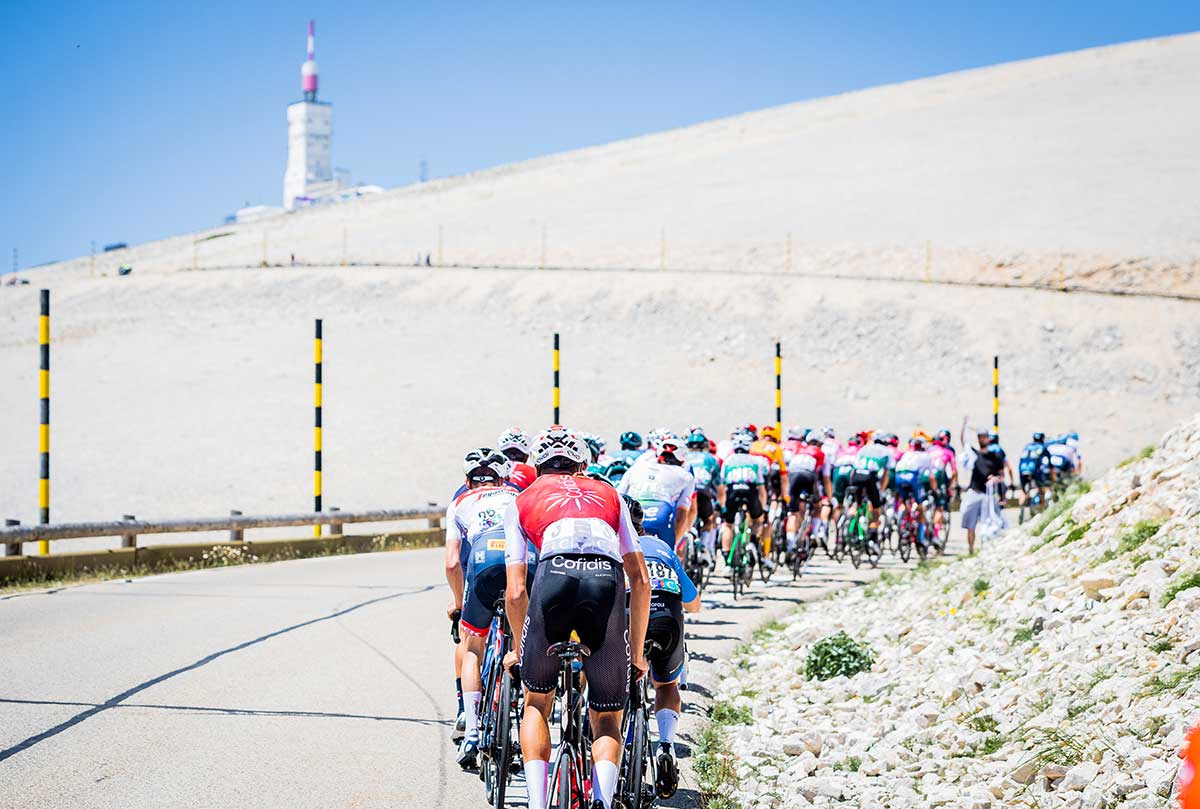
(471, 706)
(667, 720)
(791, 540)
(604, 782)
(536, 781)
(709, 538)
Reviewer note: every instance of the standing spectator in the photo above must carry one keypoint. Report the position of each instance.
(987, 464)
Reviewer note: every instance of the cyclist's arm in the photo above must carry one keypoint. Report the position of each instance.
(639, 590)
(762, 495)
(685, 509)
(454, 571)
(783, 475)
(721, 495)
(516, 552)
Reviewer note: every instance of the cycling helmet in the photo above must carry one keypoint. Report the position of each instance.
(1039, 438)
(814, 438)
(558, 442)
(484, 463)
(671, 447)
(593, 445)
(942, 437)
(855, 440)
(513, 438)
(748, 428)
(631, 440)
(1072, 436)
(916, 442)
(796, 433)
(993, 434)
(636, 512)
(742, 442)
(697, 439)
(771, 432)
(893, 440)
(654, 435)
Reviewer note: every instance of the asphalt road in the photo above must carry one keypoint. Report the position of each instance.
(312, 683)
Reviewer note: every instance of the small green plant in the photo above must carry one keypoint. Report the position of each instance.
(1061, 506)
(1161, 645)
(1132, 540)
(1142, 455)
(766, 630)
(1176, 682)
(1024, 635)
(1076, 533)
(849, 764)
(983, 724)
(887, 577)
(1180, 584)
(981, 586)
(1040, 594)
(1077, 709)
(991, 744)
(715, 768)
(838, 654)
(726, 713)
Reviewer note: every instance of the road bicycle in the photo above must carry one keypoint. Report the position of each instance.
(853, 529)
(639, 771)
(1035, 499)
(799, 556)
(571, 781)
(694, 565)
(742, 554)
(499, 713)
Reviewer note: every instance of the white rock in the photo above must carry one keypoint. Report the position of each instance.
(1080, 776)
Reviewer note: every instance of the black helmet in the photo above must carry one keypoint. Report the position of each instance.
(631, 440)
(636, 513)
(1039, 438)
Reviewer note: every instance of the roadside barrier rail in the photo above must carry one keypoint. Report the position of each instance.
(11, 536)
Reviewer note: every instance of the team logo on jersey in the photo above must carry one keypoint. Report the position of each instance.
(569, 495)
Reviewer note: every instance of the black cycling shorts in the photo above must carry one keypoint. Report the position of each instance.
(584, 593)
(803, 487)
(666, 629)
(704, 505)
(483, 589)
(868, 485)
(734, 498)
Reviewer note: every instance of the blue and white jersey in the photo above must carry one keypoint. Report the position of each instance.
(661, 489)
(476, 520)
(666, 571)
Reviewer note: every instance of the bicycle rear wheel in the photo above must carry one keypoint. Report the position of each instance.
(637, 758)
(501, 758)
(855, 543)
(905, 541)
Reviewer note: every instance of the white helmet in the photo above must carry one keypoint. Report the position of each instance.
(742, 442)
(795, 433)
(488, 463)
(673, 446)
(513, 438)
(559, 442)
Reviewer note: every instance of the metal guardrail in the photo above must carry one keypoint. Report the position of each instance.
(12, 535)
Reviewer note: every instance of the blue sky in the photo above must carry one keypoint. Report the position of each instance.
(134, 121)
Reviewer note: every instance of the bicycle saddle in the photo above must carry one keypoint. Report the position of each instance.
(568, 650)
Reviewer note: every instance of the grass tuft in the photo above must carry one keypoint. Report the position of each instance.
(981, 586)
(1180, 584)
(1133, 539)
(1142, 455)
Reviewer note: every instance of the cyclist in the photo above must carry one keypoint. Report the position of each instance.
(843, 470)
(792, 443)
(706, 469)
(743, 482)
(725, 448)
(809, 481)
(514, 443)
(945, 470)
(912, 471)
(665, 489)
(873, 466)
(582, 530)
(767, 446)
(595, 449)
(1036, 468)
(620, 461)
(475, 571)
(672, 593)
(1065, 456)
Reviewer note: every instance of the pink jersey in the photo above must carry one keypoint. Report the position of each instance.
(943, 458)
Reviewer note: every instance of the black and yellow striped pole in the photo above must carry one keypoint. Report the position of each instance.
(317, 430)
(44, 420)
(556, 388)
(996, 393)
(778, 389)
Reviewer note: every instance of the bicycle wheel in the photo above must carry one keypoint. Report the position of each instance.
(639, 741)
(904, 540)
(568, 785)
(501, 758)
(922, 547)
(856, 542)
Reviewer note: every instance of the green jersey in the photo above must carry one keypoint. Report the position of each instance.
(742, 469)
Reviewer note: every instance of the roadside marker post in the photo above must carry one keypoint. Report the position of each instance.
(996, 393)
(778, 389)
(317, 430)
(556, 388)
(44, 419)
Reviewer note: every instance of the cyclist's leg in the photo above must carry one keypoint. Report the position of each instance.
(602, 625)
(547, 621)
(732, 499)
(484, 587)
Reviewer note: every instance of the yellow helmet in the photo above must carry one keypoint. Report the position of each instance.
(771, 432)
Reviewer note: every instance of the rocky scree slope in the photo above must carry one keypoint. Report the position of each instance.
(1060, 667)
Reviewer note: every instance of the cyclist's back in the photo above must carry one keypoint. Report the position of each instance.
(663, 489)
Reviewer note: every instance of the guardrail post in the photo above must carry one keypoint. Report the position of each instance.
(236, 534)
(335, 528)
(128, 540)
(12, 548)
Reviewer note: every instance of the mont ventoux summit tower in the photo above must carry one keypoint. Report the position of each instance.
(309, 173)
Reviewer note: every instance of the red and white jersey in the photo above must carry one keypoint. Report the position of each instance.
(522, 475)
(568, 514)
(790, 447)
(808, 459)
